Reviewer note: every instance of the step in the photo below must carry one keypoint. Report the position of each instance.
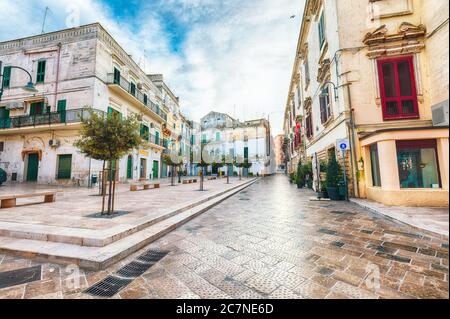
(99, 258)
(95, 238)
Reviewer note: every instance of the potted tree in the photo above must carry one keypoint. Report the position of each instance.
(334, 173)
(300, 176)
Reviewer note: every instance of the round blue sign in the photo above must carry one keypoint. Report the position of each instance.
(343, 146)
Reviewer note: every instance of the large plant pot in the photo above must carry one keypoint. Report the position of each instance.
(333, 193)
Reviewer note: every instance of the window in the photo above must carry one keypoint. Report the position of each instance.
(64, 166)
(325, 107)
(4, 118)
(145, 99)
(145, 132)
(61, 109)
(417, 164)
(398, 89)
(37, 108)
(116, 76)
(133, 89)
(157, 137)
(113, 112)
(217, 136)
(41, 71)
(309, 126)
(322, 30)
(6, 77)
(203, 138)
(2, 146)
(375, 165)
(245, 152)
(307, 76)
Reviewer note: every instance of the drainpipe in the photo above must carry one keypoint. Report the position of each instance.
(351, 130)
(57, 75)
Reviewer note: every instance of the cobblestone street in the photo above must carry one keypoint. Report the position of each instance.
(270, 241)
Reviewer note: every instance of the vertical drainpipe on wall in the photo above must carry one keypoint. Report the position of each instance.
(57, 76)
(351, 131)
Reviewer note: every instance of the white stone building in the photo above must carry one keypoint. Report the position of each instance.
(252, 140)
(73, 69)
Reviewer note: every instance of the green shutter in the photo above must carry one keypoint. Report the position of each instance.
(246, 152)
(5, 121)
(157, 138)
(130, 167)
(41, 71)
(62, 110)
(64, 166)
(37, 108)
(6, 77)
(217, 136)
(116, 76)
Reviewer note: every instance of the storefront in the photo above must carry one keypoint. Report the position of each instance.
(407, 167)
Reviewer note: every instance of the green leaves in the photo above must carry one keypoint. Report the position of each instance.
(108, 137)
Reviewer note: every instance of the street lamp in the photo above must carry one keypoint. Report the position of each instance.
(28, 87)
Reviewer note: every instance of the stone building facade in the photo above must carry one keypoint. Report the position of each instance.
(374, 73)
(74, 70)
(251, 140)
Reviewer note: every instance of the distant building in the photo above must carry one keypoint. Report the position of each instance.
(279, 153)
(374, 73)
(74, 70)
(251, 140)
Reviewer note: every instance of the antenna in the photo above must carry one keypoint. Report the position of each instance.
(47, 10)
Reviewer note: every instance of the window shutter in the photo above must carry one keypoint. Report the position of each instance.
(6, 77)
(41, 71)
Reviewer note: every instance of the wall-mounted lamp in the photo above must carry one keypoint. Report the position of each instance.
(325, 94)
(361, 165)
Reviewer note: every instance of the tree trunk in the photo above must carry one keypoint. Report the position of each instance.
(110, 188)
(172, 178)
(103, 188)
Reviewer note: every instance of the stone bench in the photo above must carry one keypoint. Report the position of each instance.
(190, 181)
(144, 186)
(8, 201)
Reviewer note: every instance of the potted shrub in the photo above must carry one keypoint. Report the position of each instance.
(323, 189)
(333, 178)
(300, 176)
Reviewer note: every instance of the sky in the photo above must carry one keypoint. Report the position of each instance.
(230, 56)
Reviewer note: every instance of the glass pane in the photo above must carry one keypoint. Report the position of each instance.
(389, 80)
(375, 164)
(418, 168)
(404, 78)
(408, 107)
(392, 108)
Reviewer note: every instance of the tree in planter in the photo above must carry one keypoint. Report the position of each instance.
(300, 177)
(174, 162)
(203, 165)
(247, 165)
(334, 175)
(239, 164)
(107, 138)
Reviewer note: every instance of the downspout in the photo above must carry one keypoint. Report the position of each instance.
(351, 129)
(57, 76)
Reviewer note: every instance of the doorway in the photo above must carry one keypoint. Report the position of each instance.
(32, 167)
(155, 169)
(143, 169)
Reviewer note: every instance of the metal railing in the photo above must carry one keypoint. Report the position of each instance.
(61, 117)
(138, 94)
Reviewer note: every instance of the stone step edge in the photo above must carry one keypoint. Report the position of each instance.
(99, 241)
(95, 259)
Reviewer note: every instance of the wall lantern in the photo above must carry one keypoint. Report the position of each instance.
(361, 165)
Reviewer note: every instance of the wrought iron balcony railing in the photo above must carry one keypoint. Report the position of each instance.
(132, 89)
(62, 117)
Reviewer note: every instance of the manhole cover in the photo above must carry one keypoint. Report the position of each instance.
(111, 216)
(19, 276)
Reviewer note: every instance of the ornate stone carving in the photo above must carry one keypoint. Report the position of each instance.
(407, 39)
(324, 70)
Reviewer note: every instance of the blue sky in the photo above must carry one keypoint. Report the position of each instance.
(232, 56)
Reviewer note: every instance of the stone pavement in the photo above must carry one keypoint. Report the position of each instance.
(270, 241)
(435, 219)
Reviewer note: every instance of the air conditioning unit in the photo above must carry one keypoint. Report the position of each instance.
(53, 143)
(440, 114)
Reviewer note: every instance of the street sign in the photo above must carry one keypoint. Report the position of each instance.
(343, 144)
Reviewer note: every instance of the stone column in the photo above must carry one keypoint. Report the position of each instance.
(442, 153)
(387, 153)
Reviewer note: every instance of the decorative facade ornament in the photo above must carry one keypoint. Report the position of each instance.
(407, 39)
(324, 70)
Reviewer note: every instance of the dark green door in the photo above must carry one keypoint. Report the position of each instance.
(32, 168)
(155, 169)
(64, 166)
(37, 108)
(130, 167)
(62, 110)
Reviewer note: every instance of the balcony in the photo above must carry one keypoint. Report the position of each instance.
(136, 94)
(52, 118)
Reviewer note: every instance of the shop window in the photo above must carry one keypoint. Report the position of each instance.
(375, 165)
(418, 164)
(398, 89)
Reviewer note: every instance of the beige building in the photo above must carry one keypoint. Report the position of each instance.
(374, 73)
(74, 70)
(279, 153)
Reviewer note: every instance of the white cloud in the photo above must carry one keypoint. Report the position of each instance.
(237, 56)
